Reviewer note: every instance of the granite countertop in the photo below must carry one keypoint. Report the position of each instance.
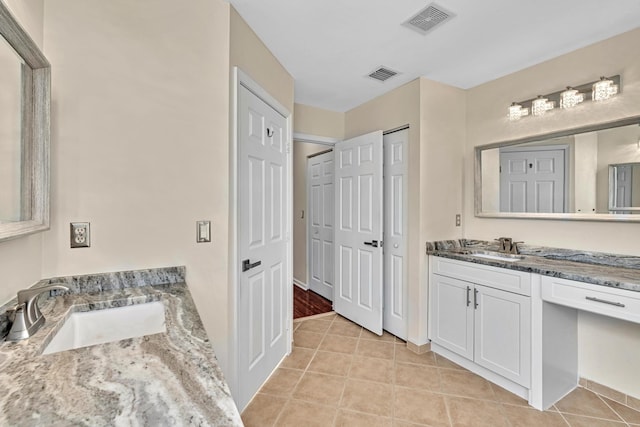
(170, 378)
(618, 271)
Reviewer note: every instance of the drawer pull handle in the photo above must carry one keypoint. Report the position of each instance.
(604, 301)
(475, 298)
(468, 298)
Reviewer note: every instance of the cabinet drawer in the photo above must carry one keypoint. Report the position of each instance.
(618, 303)
(499, 278)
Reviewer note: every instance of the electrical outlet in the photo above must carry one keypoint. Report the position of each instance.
(458, 220)
(80, 235)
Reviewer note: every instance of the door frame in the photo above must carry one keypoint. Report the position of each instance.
(240, 78)
(321, 140)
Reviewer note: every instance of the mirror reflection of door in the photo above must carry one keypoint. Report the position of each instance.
(624, 188)
(533, 179)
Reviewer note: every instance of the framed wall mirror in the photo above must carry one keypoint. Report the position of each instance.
(589, 173)
(25, 92)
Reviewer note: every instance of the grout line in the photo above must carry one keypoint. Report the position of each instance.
(608, 406)
(562, 416)
(344, 387)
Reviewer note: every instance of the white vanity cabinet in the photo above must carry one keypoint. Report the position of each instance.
(483, 314)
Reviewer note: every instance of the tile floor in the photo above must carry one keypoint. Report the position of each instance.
(342, 375)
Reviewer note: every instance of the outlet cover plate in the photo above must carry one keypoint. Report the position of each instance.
(80, 236)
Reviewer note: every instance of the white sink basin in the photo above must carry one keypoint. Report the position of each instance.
(83, 329)
(496, 256)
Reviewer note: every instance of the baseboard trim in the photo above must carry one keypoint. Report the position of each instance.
(610, 393)
(419, 349)
(300, 284)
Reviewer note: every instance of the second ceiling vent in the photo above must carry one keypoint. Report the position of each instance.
(428, 18)
(382, 74)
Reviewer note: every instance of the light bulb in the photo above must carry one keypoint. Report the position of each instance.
(516, 112)
(604, 89)
(570, 98)
(540, 105)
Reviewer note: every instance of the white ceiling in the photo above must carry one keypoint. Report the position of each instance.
(329, 46)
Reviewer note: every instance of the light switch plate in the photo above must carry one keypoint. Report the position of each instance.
(203, 231)
(80, 235)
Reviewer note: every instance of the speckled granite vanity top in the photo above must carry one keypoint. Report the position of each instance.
(170, 378)
(619, 271)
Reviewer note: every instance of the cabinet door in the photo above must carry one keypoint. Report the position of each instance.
(452, 314)
(503, 333)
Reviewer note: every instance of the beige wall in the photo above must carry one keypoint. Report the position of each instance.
(140, 141)
(21, 259)
(318, 122)
(486, 123)
(301, 151)
(251, 55)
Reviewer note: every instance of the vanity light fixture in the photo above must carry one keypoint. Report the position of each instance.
(570, 98)
(604, 89)
(540, 105)
(516, 111)
(599, 90)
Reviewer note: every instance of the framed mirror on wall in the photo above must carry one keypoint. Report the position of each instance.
(589, 173)
(25, 92)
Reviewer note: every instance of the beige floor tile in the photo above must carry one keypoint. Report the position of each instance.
(403, 423)
(331, 363)
(341, 319)
(606, 391)
(466, 384)
(357, 419)
(576, 421)
(420, 406)
(369, 397)
(345, 329)
(475, 413)
(633, 402)
(315, 325)
(297, 413)
(378, 349)
(525, 417)
(371, 369)
(307, 339)
(403, 354)
(418, 376)
(585, 403)
(505, 396)
(443, 362)
(368, 335)
(629, 415)
(320, 388)
(263, 410)
(339, 344)
(298, 359)
(282, 382)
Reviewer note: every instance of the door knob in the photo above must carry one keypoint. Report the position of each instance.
(247, 265)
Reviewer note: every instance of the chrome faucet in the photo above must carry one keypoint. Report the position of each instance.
(507, 245)
(28, 317)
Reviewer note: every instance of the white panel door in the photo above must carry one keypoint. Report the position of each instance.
(395, 232)
(320, 193)
(358, 293)
(503, 333)
(451, 314)
(532, 181)
(262, 245)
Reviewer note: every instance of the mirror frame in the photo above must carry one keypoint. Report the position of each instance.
(36, 105)
(553, 216)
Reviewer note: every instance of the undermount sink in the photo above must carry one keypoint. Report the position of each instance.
(499, 256)
(83, 329)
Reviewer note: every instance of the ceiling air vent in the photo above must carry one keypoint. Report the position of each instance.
(428, 18)
(382, 74)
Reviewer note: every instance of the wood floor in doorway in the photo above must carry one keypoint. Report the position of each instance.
(308, 303)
